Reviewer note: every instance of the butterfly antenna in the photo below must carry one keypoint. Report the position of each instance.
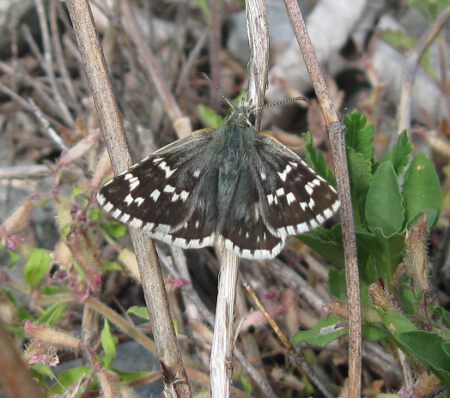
(206, 77)
(286, 101)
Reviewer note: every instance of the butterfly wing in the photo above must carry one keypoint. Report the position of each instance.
(294, 198)
(161, 193)
(244, 230)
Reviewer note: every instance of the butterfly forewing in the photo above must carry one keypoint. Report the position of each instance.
(296, 199)
(161, 192)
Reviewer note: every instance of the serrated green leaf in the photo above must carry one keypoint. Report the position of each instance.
(326, 242)
(422, 190)
(37, 267)
(53, 314)
(399, 154)
(324, 332)
(109, 345)
(316, 160)
(384, 203)
(359, 134)
(139, 311)
(209, 117)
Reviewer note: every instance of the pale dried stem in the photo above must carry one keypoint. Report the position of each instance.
(223, 341)
(336, 132)
(410, 68)
(174, 374)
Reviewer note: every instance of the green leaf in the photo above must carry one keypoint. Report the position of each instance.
(209, 117)
(109, 344)
(430, 9)
(53, 314)
(337, 286)
(359, 135)
(384, 207)
(442, 313)
(111, 266)
(13, 258)
(139, 311)
(94, 214)
(115, 229)
(43, 371)
(37, 267)
(68, 377)
(399, 40)
(422, 190)
(390, 254)
(77, 191)
(372, 332)
(326, 242)
(399, 154)
(324, 331)
(396, 323)
(430, 349)
(360, 170)
(317, 161)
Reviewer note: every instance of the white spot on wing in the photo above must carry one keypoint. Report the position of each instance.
(138, 201)
(184, 195)
(327, 213)
(108, 207)
(303, 227)
(128, 199)
(280, 192)
(335, 206)
(320, 219)
(270, 199)
(303, 205)
(125, 218)
(263, 175)
(117, 213)
(285, 172)
(128, 176)
(134, 184)
(155, 194)
(309, 189)
(311, 203)
(291, 230)
(197, 224)
(196, 173)
(290, 197)
(136, 223)
(169, 189)
(100, 199)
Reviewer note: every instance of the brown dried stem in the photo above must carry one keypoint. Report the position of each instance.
(15, 378)
(336, 132)
(175, 378)
(411, 66)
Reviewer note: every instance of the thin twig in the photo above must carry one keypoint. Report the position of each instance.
(30, 105)
(336, 132)
(180, 123)
(296, 355)
(174, 374)
(24, 171)
(48, 64)
(411, 66)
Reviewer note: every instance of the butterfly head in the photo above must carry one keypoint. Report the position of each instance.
(242, 114)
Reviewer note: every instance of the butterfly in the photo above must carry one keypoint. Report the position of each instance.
(231, 186)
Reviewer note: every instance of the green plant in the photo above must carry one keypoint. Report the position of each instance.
(396, 202)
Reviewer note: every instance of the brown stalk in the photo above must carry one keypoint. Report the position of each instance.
(410, 70)
(336, 131)
(15, 378)
(174, 374)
